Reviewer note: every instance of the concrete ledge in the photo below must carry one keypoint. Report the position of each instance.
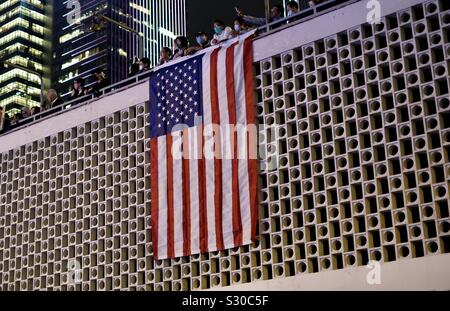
(419, 274)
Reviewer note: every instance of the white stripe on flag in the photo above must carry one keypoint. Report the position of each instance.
(177, 194)
(209, 163)
(195, 194)
(241, 120)
(162, 193)
(227, 191)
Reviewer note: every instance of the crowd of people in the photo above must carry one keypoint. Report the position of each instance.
(241, 24)
(182, 47)
(53, 99)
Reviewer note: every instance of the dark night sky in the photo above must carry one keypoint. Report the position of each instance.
(201, 13)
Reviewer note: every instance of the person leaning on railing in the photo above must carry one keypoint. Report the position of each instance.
(101, 81)
(53, 99)
(6, 123)
(144, 64)
(25, 111)
(240, 27)
(277, 13)
(165, 56)
(202, 43)
(77, 89)
(221, 32)
(180, 45)
(292, 8)
(15, 119)
(134, 68)
(35, 110)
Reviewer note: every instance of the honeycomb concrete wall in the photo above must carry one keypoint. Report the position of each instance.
(363, 137)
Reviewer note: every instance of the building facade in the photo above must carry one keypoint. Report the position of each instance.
(23, 41)
(78, 50)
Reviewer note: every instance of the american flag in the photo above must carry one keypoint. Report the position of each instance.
(201, 199)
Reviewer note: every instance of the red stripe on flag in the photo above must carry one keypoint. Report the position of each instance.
(250, 111)
(203, 228)
(218, 200)
(231, 95)
(154, 193)
(186, 196)
(170, 227)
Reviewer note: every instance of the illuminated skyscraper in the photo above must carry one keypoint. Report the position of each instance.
(78, 50)
(23, 31)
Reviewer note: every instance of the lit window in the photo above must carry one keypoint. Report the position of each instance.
(80, 57)
(69, 36)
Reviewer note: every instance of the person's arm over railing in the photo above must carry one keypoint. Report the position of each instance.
(254, 21)
(251, 20)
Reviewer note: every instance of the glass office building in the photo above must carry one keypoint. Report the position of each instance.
(78, 50)
(23, 32)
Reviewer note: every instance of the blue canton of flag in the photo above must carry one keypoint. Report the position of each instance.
(175, 96)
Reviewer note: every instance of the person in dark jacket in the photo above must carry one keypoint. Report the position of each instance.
(6, 124)
(134, 69)
(77, 89)
(144, 64)
(53, 99)
(202, 43)
(181, 44)
(101, 81)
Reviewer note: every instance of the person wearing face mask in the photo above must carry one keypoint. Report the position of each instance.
(164, 55)
(144, 64)
(292, 8)
(181, 44)
(239, 26)
(202, 42)
(221, 32)
(276, 13)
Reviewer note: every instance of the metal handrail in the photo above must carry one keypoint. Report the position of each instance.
(303, 15)
(84, 100)
(262, 31)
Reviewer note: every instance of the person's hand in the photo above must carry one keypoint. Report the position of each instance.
(214, 41)
(190, 50)
(239, 12)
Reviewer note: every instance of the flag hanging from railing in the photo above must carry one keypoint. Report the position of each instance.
(203, 152)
